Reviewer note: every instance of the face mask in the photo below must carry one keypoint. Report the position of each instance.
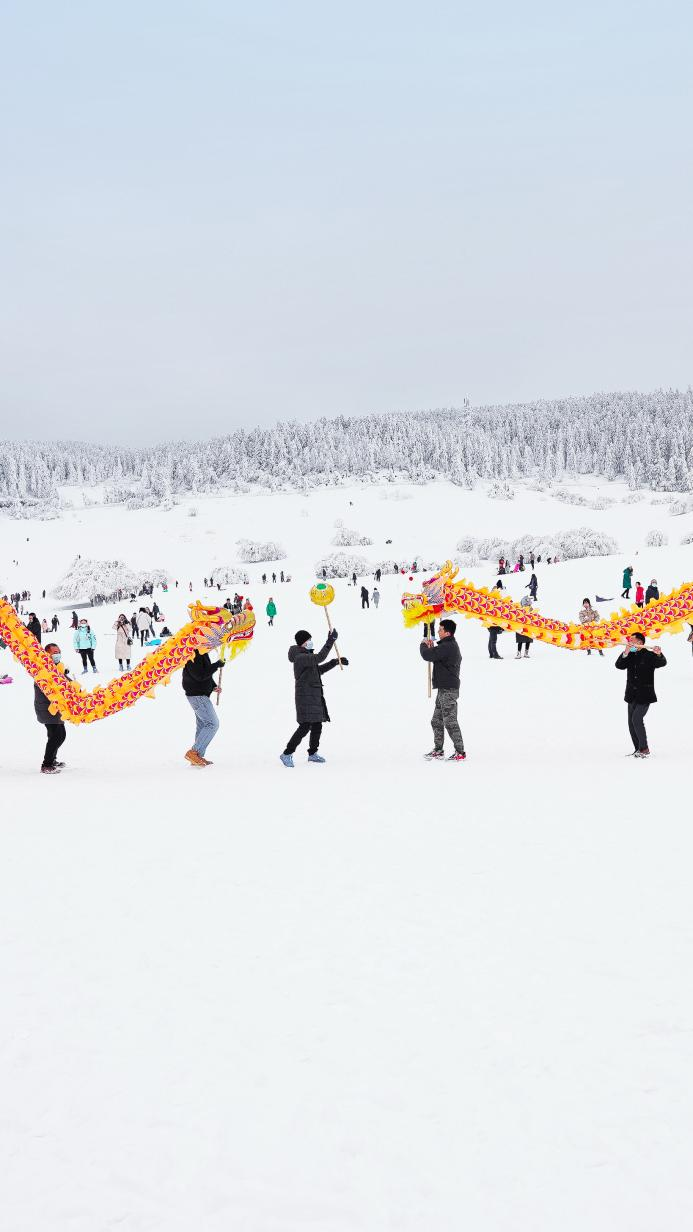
(56, 657)
(309, 644)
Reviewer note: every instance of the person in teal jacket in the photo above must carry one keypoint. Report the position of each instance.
(84, 641)
(627, 582)
(271, 610)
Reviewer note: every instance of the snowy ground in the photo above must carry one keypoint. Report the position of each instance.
(373, 995)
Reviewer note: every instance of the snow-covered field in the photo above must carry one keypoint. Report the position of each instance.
(373, 995)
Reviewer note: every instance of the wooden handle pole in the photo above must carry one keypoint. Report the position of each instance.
(429, 666)
(329, 625)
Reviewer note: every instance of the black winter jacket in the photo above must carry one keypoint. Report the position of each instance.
(446, 658)
(651, 593)
(641, 666)
(198, 676)
(308, 670)
(41, 704)
(34, 626)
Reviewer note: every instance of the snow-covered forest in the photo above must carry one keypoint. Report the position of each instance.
(646, 439)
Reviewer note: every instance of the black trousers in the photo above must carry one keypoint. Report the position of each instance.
(625, 594)
(492, 646)
(56, 736)
(87, 657)
(636, 725)
(302, 730)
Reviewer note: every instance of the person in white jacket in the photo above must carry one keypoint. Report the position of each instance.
(123, 642)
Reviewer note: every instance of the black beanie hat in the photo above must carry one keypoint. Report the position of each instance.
(302, 636)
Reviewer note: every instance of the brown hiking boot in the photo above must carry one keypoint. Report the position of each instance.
(194, 758)
(205, 762)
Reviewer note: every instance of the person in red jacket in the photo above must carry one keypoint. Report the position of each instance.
(639, 595)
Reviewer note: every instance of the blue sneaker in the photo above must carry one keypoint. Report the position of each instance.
(287, 760)
(316, 757)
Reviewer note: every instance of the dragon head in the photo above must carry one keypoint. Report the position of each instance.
(430, 601)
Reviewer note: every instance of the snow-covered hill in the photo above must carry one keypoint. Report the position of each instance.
(373, 994)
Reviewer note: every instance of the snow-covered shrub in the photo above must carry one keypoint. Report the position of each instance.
(500, 489)
(192, 511)
(566, 544)
(656, 539)
(104, 579)
(662, 500)
(633, 498)
(687, 538)
(342, 564)
(345, 538)
(405, 563)
(253, 552)
(587, 502)
(86, 578)
(229, 575)
(678, 507)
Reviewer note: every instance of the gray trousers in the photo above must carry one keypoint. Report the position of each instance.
(445, 719)
(636, 725)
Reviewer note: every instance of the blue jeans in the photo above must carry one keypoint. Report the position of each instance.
(207, 723)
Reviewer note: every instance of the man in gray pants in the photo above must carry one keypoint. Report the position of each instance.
(446, 659)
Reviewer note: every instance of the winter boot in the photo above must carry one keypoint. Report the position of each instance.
(457, 757)
(287, 760)
(316, 757)
(194, 758)
(50, 770)
(436, 755)
(643, 753)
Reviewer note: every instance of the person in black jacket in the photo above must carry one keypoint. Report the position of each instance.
(55, 728)
(446, 659)
(641, 665)
(198, 686)
(311, 709)
(652, 592)
(33, 624)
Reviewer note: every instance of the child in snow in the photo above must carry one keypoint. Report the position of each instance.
(588, 616)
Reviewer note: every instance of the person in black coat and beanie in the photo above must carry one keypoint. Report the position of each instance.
(311, 709)
(55, 728)
(33, 624)
(640, 665)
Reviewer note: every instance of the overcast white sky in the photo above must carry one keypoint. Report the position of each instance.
(217, 214)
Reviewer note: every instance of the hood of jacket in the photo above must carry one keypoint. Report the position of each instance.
(297, 650)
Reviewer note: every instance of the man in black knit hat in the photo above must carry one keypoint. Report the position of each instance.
(311, 710)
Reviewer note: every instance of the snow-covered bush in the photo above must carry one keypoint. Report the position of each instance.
(253, 552)
(405, 563)
(345, 538)
(587, 502)
(192, 511)
(342, 565)
(633, 498)
(662, 500)
(229, 575)
(103, 579)
(687, 538)
(566, 544)
(656, 539)
(679, 507)
(500, 489)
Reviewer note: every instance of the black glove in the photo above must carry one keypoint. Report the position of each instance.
(344, 662)
(332, 635)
